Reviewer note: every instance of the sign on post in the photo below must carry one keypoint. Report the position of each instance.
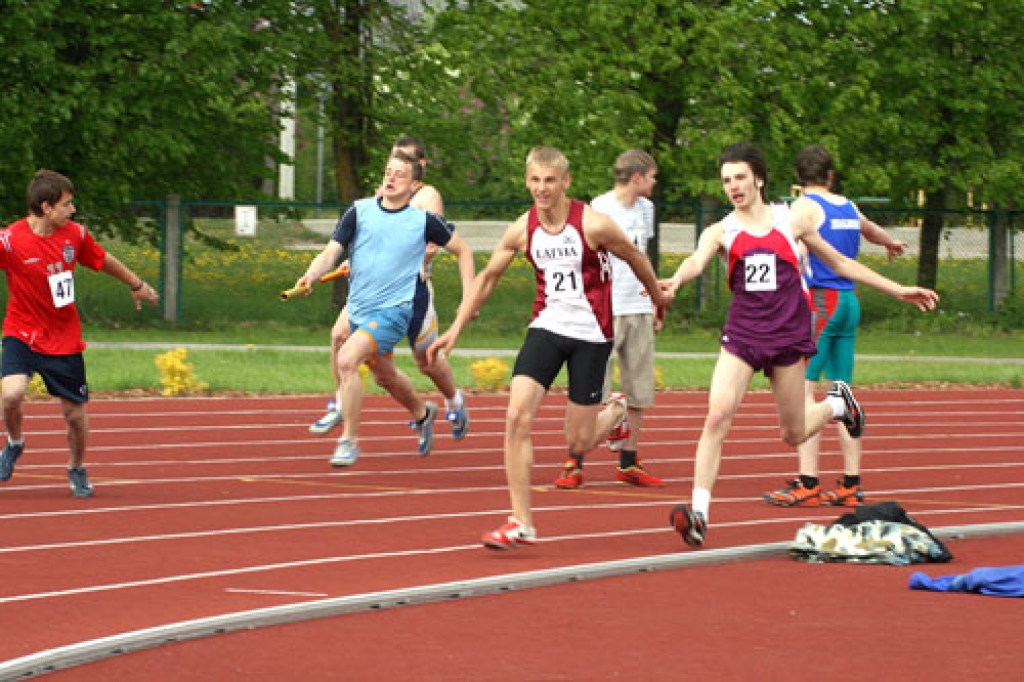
(246, 218)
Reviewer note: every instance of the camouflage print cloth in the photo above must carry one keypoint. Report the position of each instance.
(868, 542)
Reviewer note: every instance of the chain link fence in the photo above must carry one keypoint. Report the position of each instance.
(224, 264)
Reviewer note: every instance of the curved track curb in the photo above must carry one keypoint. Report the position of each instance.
(107, 647)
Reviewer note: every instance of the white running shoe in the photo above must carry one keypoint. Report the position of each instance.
(329, 421)
(345, 454)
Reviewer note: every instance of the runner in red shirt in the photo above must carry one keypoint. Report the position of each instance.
(42, 333)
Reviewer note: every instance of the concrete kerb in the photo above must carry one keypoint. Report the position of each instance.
(505, 352)
(107, 647)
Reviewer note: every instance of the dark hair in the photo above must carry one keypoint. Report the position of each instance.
(744, 152)
(418, 150)
(417, 168)
(813, 165)
(46, 187)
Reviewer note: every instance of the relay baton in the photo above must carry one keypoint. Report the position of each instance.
(293, 293)
(341, 271)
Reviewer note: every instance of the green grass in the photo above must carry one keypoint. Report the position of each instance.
(230, 296)
(267, 370)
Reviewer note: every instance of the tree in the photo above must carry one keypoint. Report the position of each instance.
(354, 50)
(951, 107)
(137, 100)
(583, 76)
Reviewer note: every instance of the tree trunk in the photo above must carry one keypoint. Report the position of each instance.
(346, 167)
(351, 83)
(999, 256)
(931, 235)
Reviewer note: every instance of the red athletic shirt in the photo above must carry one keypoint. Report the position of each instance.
(29, 260)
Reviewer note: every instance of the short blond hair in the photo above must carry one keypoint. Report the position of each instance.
(548, 157)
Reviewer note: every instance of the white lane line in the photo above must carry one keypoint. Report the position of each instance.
(275, 593)
(243, 570)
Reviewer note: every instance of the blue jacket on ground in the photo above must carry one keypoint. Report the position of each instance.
(1004, 581)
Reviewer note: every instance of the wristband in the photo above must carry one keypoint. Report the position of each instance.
(138, 286)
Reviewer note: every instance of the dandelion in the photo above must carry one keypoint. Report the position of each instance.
(490, 374)
(177, 375)
(37, 386)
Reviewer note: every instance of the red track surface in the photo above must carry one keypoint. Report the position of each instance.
(214, 506)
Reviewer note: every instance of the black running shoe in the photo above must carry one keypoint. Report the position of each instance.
(854, 418)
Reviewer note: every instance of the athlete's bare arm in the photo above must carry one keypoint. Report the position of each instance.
(513, 241)
(876, 234)
(708, 246)
(602, 231)
(463, 252)
(805, 229)
(427, 198)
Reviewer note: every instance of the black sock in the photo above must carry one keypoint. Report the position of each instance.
(809, 481)
(627, 458)
(576, 458)
(850, 481)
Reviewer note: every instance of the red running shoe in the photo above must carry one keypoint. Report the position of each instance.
(572, 475)
(512, 534)
(690, 524)
(638, 476)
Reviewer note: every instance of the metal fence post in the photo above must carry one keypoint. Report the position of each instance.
(171, 258)
(698, 223)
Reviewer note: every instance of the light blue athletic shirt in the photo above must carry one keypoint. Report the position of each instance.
(386, 249)
(841, 229)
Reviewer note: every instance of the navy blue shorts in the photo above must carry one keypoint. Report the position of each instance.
(64, 375)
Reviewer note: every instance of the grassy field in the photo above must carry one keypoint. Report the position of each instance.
(885, 358)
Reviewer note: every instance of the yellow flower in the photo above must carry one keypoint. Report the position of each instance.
(177, 376)
(490, 374)
(36, 386)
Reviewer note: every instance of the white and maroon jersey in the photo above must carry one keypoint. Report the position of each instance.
(770, 306)
(573, 280)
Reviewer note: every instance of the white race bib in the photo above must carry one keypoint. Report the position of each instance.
(62, 288)
(562, 283)
(759, 272)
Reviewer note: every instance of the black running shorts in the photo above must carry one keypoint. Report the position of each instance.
(544, 353)
(64, 375)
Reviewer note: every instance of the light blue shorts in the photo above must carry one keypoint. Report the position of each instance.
(386, 326)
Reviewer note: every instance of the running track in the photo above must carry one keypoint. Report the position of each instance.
(208, 507)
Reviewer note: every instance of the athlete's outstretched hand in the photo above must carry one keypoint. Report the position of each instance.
(924, 299)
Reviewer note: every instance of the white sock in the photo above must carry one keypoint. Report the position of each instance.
(455, 403)
(837, 404)
(16, 442)
(701, 499)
